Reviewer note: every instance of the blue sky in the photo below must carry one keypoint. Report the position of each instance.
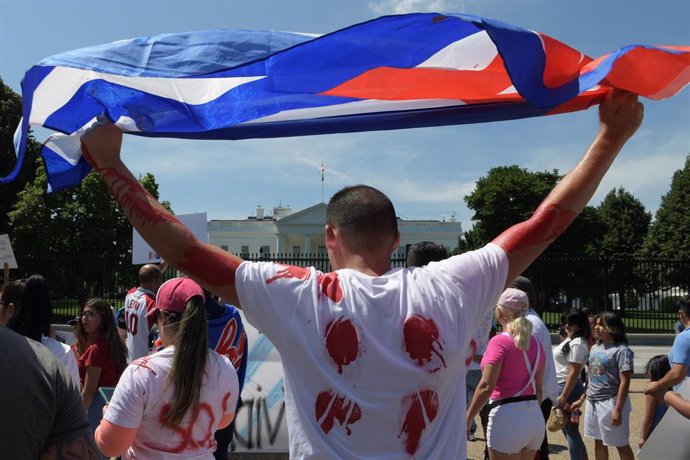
(426, 172)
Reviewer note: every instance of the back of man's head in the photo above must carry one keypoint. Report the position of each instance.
(424, 252)
(149, 276)
(525, 285)
(364, 216)
(684, 306)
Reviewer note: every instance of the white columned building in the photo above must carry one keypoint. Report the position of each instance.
(302, 232)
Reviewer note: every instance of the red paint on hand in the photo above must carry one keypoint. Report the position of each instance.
(422, 341)
(342, 342)
(330, 407)
(423, 408)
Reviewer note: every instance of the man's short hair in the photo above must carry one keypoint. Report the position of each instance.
(424, 252)
(364, 216)
(684, 305)
(525, 285)
(149, 273)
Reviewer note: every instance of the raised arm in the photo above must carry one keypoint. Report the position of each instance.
(620, 114)
(212, 267)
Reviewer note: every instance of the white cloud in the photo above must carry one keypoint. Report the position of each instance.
(413, 6)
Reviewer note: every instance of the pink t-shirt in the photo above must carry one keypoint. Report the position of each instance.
(514, 374)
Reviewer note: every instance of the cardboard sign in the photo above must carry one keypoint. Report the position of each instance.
(670, 439)
(142, 253)
(6, 253)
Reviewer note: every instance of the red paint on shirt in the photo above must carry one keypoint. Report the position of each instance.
(199, 425)
(330, 286)
(422, 341)
(290, 272)
(342, 342)
(423, 407)
(331, 407)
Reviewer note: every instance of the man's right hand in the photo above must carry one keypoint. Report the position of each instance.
(620, 115)
(103, 141)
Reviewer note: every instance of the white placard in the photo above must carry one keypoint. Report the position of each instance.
(6, 253)
(142, 253)
(670, 440)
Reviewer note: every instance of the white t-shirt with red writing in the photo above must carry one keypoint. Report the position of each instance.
(374, 366)
(138, 303)
(142, 397)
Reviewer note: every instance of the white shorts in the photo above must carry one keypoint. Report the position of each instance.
(598, 424)
(515, 426)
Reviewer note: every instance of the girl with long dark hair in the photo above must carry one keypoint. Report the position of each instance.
(169, 404)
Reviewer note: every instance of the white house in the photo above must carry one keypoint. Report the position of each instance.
(302, 232)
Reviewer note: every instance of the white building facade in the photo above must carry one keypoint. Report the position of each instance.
(302, 232)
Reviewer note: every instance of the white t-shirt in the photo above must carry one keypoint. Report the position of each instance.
(374, 366)
(138, 302)
(578, 354)
(541, 333)
(142, 396)
(64, 354)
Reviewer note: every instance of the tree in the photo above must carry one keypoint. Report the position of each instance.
(82, 226)
(10, 114)
(627, 222)
(509, 195)
(669, 235)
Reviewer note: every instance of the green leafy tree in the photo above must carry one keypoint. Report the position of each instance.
(669, 235)
(10, 114)
(508, 195)
(627, 223)
(82, 227)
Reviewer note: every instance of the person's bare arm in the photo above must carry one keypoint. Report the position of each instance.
(570, 380)
(649, 411)
(484, 389)
(623, 388)
(210, 266)
(91, 379)
(672, 377)
(620, 114)
(678, 403)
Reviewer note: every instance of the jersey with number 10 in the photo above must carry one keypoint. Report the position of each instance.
(138, 302)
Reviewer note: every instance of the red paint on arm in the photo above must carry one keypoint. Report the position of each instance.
(545, 225)
(211, 266)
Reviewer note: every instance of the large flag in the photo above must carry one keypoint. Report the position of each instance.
(413, 70)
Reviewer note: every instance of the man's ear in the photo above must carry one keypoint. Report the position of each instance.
(330, 237)
(11, 310)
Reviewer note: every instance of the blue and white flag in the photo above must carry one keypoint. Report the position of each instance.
(414, 70)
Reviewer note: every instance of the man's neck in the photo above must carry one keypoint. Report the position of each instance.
(367, 265)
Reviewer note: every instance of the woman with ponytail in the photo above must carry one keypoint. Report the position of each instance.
(169, 404)
(512, 374)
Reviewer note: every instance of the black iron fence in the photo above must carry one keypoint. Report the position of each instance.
(644, 291)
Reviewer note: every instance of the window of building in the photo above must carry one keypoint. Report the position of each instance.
(296, 249)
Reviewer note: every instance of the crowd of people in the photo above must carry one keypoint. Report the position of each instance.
(374, 358)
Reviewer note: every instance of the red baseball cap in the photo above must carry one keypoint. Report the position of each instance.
(174, 294)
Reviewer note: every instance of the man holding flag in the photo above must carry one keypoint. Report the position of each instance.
(374, 363)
